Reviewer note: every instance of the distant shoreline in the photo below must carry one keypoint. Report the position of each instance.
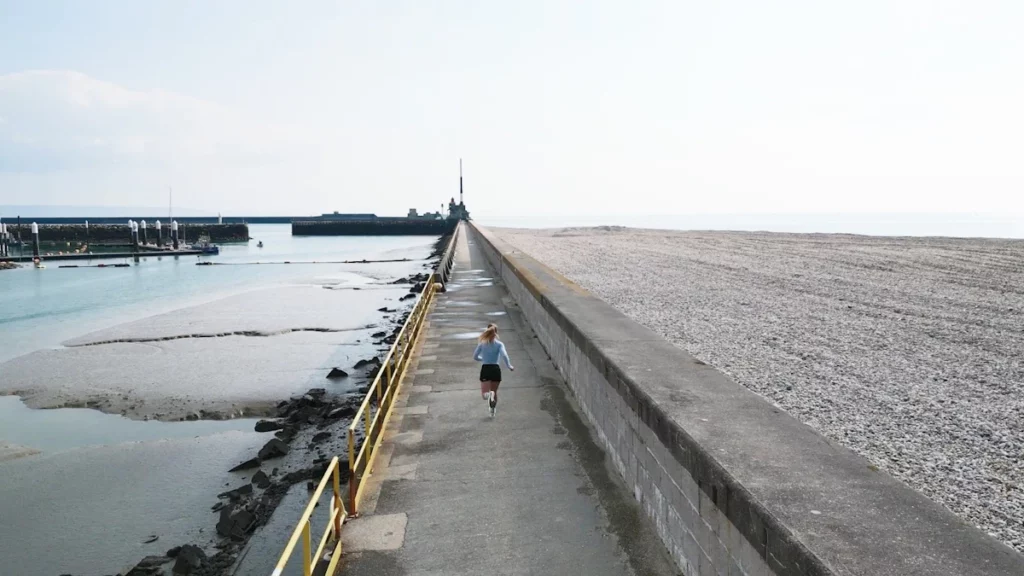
(916, 225)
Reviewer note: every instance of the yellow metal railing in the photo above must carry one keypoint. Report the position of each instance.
(373, 416)
(332, 533)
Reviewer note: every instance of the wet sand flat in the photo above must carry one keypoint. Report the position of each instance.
(910, 351)
(232, 357)
(72, 508)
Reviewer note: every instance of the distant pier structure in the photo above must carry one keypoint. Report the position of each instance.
(414, 224)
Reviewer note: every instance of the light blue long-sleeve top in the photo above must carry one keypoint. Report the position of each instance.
(490, 352)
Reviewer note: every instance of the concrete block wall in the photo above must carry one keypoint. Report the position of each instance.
(733, 486)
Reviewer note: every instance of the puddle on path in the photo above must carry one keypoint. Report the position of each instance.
(463, 335)
(60, 429)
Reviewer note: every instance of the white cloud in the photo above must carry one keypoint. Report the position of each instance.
(63, 119)
(69, 138)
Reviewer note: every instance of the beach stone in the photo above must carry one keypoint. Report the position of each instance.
(247, 465)
(260, 479)
(268, 425)
(189, 560)
(237, 493)
(337, 373)
(367, 362)
(341, 412)
(320, 437)
(149, 566)
(287, 434)
(275, 448)
(303, 414)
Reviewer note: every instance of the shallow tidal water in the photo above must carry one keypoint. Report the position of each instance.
(161, 340)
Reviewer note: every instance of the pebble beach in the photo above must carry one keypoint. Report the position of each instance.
(909, 351)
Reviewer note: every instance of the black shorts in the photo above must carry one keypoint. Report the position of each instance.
(490, 373)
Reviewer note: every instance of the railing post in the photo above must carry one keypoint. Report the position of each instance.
(353, 484)
(307, 566)
(337, 500)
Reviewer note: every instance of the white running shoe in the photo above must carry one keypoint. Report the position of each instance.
(492, 402)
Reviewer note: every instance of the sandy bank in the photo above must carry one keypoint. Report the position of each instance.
(238, 356)
(908, 350)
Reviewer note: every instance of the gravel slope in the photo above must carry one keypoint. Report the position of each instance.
(910, 351)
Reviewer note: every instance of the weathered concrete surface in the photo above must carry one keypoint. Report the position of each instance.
(527, 492)
(731, 482)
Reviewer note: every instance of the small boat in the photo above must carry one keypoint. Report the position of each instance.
(204, 246)
(260, 244)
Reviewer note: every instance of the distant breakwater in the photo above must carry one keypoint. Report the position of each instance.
(119, 233)
(375, 227)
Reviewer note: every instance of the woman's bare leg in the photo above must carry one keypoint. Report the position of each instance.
(485, 387)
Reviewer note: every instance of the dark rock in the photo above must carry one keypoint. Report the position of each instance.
(320, 437)
(337, 373)
(317, 392)
(379, 334)
(173, 552)
(248, 464)
(373, 373)
(235, 522)
(302, 414)
(286, 435)
(362, 363)
(273, 449)
(216, 506)
(407, 297)
(261, 479)
(149, 566)
(189, 560)
(341, 412)
(237, 493)
(268, 425)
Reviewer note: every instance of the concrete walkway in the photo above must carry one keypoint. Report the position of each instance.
(528, 492)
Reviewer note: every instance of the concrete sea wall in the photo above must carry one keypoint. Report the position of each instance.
(375, 227)
(733, 485)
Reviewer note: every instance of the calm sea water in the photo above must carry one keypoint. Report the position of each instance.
(42, 308)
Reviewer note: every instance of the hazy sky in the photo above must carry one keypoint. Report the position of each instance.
(589, 107)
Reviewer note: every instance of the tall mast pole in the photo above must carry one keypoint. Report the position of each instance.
(460, 180)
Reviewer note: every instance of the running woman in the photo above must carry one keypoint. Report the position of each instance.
(489, 351)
